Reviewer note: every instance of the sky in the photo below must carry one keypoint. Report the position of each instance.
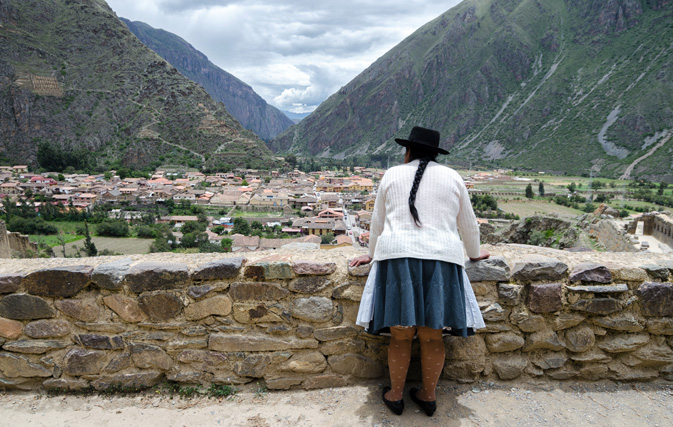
(294, 53)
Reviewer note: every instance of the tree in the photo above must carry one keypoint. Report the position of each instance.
(529, 191)
(226, 244)
(572, 187)
(540, 189)
(256, 225)
(662, 187)
(326, 239)
(291, 160)
(241, 226)
(89, 246)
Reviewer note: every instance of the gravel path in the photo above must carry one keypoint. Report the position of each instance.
(493, 404)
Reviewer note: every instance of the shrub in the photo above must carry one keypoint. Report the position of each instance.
(113, 228)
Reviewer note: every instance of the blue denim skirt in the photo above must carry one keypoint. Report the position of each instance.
(419, 292)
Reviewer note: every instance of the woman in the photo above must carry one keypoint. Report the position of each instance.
(422, 219)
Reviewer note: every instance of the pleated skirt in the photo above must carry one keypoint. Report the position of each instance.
(419, 292)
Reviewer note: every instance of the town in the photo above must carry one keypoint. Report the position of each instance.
(250, 210)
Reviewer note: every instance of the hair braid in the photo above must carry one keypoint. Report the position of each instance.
(414, 188)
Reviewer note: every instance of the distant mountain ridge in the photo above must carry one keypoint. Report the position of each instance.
(74, 79)
(240, 99)
(560, 85)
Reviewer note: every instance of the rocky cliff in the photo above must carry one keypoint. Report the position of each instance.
(239, 98)
(73, 77)
(542, 84)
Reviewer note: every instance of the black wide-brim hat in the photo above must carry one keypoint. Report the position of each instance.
(427, 139)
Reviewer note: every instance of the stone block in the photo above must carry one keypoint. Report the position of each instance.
(546, 359)
(509, 365)
(306, 363)
(225, 268)
(34, 346)
(110, 328)
(154, 276)
(593, 371)
(593, 355)
(662, 326)
(13, 366)
(617, 371)
(543, 340)
(656, 272)
(351, 291)
(600, 289)
(359, 271)
(148, 356)
(324, 381)
(590, 272)
(653, 355)
(127, 308)
(309, 285)
(667, 264)
(627, 274)
(70, 384)
(465, 358)
(84, 309)
(539, 267)
(579, 339)
(201, 291)
(10, 283)
(204, 360)
(283, 383)
(260, 313)
(219, 305)
(10, 329)
(133, 381)
(527, 322)
(147, 336)
(304, 331)
(111, 275)
(510, 294)
(620, 343)
(566, 320)
(656, 299)
(160, 306)
(230, 342)
(100, 342)
(25, 307)
(270, 268)
(334, 333)
(356, 365)
(493, 269)
(545, 298)
(563, 373)
(313, 268)
(119, 362)
(254, 365)
(257, 291)
(79, 361)
(620, 322)
(329, 348)
(58, 281)
(597, 305)
(508, 341)
(47, 328)
(312, 309)
(494, 313)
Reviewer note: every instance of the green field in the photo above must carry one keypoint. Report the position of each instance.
(527, 208)
(116, 245)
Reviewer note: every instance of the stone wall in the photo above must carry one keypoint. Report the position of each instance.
(15, 244)
(662, 229)
(288, 320)
(612, 237)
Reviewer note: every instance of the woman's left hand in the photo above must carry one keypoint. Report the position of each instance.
(360, 260)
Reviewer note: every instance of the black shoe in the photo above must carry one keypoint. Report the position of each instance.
(428, 407)
(397, 406)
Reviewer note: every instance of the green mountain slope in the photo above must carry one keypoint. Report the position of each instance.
(73, 78)
(567, 86)
(239, 98)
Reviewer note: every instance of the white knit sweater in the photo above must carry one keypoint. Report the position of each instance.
(444, 211)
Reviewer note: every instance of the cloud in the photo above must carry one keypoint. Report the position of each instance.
(294, 53)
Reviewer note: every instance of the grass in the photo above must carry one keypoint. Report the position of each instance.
(52, 240)
(115, 245)
(526, 208)
(239, 213)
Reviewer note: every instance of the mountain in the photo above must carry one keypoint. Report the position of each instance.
(77, 87)
(295, 117)
(558, 85)
(239, 98)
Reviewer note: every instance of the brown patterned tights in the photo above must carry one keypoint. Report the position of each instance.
(399, 356)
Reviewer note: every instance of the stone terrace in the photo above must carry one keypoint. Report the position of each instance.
(288, 318)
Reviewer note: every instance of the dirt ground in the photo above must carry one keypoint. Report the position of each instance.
(479, 404)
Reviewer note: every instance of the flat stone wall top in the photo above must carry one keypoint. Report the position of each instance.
(340, 256)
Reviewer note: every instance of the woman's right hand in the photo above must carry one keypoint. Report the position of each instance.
(360, 260)
(482, 255)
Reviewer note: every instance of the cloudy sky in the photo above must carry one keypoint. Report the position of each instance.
(294, 53)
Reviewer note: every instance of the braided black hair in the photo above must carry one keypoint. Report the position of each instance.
(425, 158)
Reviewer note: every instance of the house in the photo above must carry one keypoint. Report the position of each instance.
(243, 243)
(369, 204)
